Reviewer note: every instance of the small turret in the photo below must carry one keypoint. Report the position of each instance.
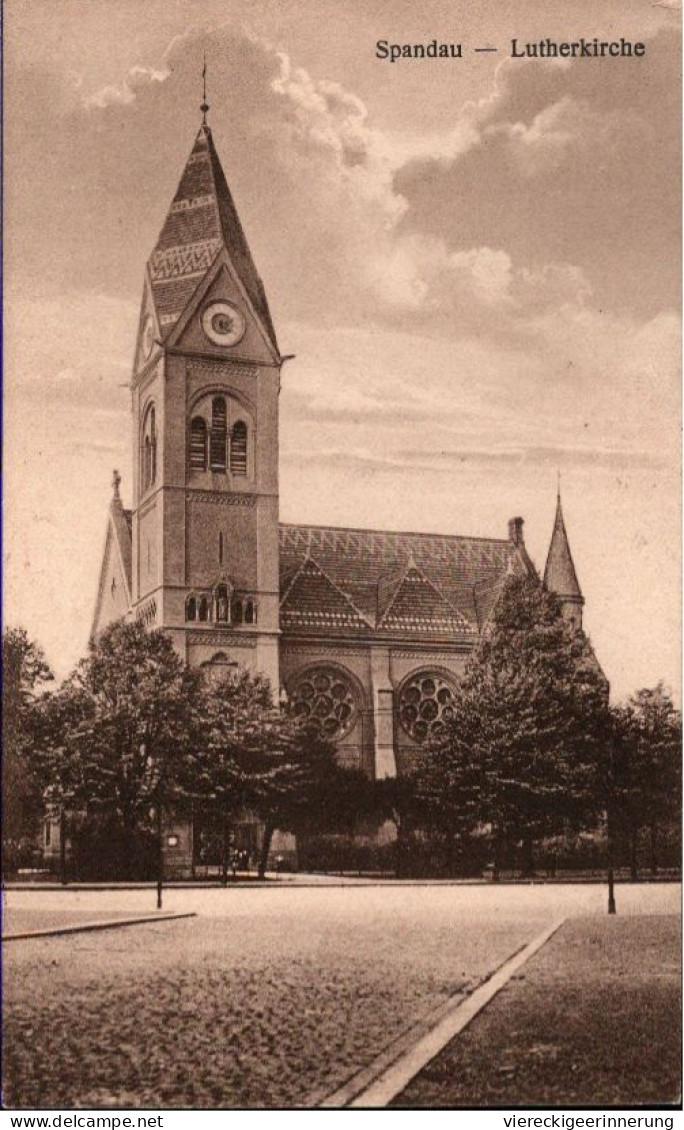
(559, 575)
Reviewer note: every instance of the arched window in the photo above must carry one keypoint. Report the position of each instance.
(191, 608)
(147, 463)
(198, 444)
(238, 448)
(149, 450)
(217, 441)
(250, 612)
(219, 659)
(153, 447)
(221, 604)
(236, 610)
(203, 609)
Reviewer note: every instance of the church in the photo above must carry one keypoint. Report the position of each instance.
(365, 630)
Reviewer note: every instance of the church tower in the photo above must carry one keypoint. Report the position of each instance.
(205, 387)
(559, 575)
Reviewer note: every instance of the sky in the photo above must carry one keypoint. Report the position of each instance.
(476, 263)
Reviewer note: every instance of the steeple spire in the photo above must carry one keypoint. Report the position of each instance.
(559, 575)
(201, 222)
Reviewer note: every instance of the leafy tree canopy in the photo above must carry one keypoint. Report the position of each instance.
(24, 675)
(520, 749)
(646, 765)
(119, 733)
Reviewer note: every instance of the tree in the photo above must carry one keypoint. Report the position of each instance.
(450, 794)
(519, 753)
(116, 739)
(256, 757)
(310, 791)
(645, 772)
(242, 749)
(24, 675)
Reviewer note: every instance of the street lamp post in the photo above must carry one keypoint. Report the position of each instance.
(609, 826)
(611, 892)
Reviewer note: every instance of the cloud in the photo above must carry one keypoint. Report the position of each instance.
(437, 461)
(567, 164)
(507, 213)
(81, 355)
(136, 80)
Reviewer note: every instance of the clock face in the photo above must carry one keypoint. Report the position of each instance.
(223, 324)
(148, 337)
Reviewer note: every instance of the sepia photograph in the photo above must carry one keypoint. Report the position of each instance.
(342, 735)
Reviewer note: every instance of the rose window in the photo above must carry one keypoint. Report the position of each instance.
(327, 697)
(426, 702)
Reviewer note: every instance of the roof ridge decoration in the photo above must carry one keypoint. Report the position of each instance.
(411, 534)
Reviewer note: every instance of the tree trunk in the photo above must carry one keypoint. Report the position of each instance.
(265, 849)
(401, 868)
(225, 850)
(654, 849)
(633, 857)
(62, 846)
(452, 856)
(125, 861)
(160, 855)
(527, 854)
(496, 844)
(610, 845)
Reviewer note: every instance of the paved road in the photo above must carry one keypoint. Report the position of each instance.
(269, 997)
(356, 901)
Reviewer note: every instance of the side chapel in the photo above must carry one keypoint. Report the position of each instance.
(367, 630)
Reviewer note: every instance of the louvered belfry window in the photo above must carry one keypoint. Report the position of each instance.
(217, 441)
(238, 449)
(198, 444)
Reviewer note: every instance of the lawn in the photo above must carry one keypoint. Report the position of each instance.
(594, 1019)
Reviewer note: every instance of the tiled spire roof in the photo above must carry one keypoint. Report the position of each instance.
(201, 220)
(559, 575)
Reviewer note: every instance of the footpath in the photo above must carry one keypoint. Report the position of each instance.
(594, 1019)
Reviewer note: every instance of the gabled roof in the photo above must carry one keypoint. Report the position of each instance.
(312, 600)
(117, 560)
(559, 575)
(202, 219)
(415, 604)
(401, 583)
